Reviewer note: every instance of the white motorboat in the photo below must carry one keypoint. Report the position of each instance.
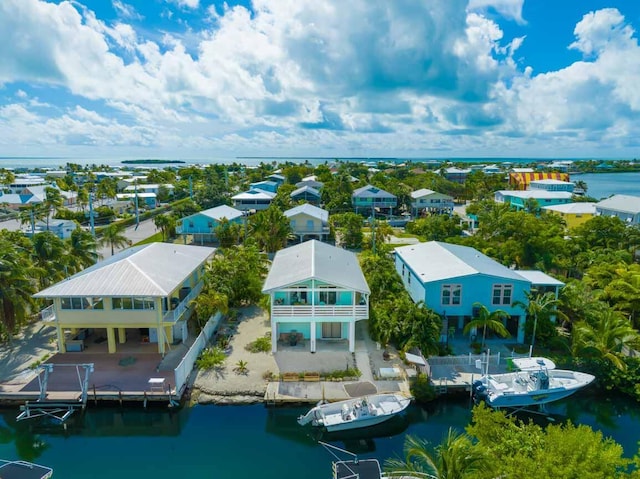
(23, 470)
(535, 382)
(355, 413)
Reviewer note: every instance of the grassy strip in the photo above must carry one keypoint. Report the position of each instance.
(155, 238)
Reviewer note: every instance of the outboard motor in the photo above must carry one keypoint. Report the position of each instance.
(479, 392)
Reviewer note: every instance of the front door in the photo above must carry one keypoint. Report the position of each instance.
(331, 330)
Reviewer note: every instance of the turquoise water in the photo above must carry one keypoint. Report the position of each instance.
(249, 441)
(603, 185)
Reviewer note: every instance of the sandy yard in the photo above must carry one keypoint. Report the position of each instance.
(226, 385)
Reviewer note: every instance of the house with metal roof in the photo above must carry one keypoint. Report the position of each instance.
(518, 199)
(370, 198)
(202, 225)
(306, 194)
(253, 200)
(59, 227)
(147, 288)
(625, 207)
(425, 201)
(574, 214)
(318, 292)
(310, 181)
(270, 186)
(450, 279)
(551, 184)
(308, 222)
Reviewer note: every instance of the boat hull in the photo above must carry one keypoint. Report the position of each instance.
(521, 390)
(345, 426)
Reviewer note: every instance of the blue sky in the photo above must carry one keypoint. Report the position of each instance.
(409, 78)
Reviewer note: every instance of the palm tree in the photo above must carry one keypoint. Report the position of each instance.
(270, 229)
(50, 255)
(113, 235)
(486, 319)
(81, 249)
(604, 336)
(53, 201)
(166, 223)
(539, 306)
(207, 303)
(454, 458)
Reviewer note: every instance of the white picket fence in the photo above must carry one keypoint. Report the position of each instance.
(183, 370)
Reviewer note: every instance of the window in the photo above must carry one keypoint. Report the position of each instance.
(133, 303)
(502, 294)
(403, 270)
(328, 296)
(451, 294)
(409, 279)
(79, 303)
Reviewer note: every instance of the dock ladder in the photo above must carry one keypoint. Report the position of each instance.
(441, 387)
(60, 410)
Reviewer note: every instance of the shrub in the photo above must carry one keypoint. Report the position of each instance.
(422, 389)
(476, 347)
(211, 358)
(241, 367)
(260, 345)
(343, 373)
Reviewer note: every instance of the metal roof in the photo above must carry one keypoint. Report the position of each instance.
(536, 194)
(219, 212)
(435, 261)
(425, 192)
(303, 189)
(154, 269)
(254, 195)
(622, 203)
(538, 278)
(310, 210)
(371, 191)
(315, 260)
(574, 208)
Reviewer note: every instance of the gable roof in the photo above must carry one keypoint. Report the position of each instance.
(622, 203)
(538, 278)
(582, 208)
(305, 189)
(536, 194)
(154, 269)
(371, 191)
(435, 261)
(254, 195)
(219, 212)
(310, 210)
(315, 260)
(426, 192)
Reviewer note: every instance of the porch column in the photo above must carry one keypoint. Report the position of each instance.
(274, 336)
(62, 347)
(168, 334)
(313, 336)
(122, 336)
(521, 321)
(111, 339)
(352, 336)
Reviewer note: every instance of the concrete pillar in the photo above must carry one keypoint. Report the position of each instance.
(521, 321)
(122, 336)
(161, 340)
(62, 347)
(168, 331)
(352, 336)
(274, 336)
(313, 336)
(111, 339)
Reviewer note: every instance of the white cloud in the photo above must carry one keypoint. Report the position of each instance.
(511, 9)
(186, 3)
(126, 11)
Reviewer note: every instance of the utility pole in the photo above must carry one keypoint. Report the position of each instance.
(373, 229)
(191, 188)
(135, 195)
(91, 221)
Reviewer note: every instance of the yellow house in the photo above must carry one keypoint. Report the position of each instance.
(574, 214)
(308, 222)
(146, 288)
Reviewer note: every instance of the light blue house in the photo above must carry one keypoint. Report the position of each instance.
(625, 207)
(369, 197)
(202, 225)
(451, 278)
(270, 186)
(517, 199)
(317, 292)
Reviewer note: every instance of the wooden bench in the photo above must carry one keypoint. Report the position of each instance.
(290, 377)
(312, 377)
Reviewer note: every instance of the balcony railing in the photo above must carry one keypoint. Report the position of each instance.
(48, 314)
(174, 315)
(308, 311)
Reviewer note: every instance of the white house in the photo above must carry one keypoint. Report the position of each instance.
(308, 221)
(625, 207)
(318, 292)
(429, 201)
(253, 200)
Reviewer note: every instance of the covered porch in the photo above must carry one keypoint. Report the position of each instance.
(318, 334)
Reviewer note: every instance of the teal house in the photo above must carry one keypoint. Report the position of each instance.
(270, 186)
(370, 197)
(318, 292)
(202, 225)
(518, 199)
(450, 279)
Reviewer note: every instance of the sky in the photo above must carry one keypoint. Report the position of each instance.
(185, 79)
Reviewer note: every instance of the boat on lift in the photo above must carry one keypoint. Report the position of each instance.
(536, 382)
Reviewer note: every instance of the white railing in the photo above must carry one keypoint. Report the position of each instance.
(175, 314)
(357, 311)
(48, 314)
(183, 370)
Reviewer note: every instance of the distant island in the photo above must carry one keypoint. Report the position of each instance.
(150, 162)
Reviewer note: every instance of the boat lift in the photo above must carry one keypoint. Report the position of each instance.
(60, 410)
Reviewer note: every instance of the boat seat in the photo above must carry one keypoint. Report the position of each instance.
(498, 386)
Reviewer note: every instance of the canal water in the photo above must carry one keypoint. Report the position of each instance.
(252, 441)
(603, 185)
